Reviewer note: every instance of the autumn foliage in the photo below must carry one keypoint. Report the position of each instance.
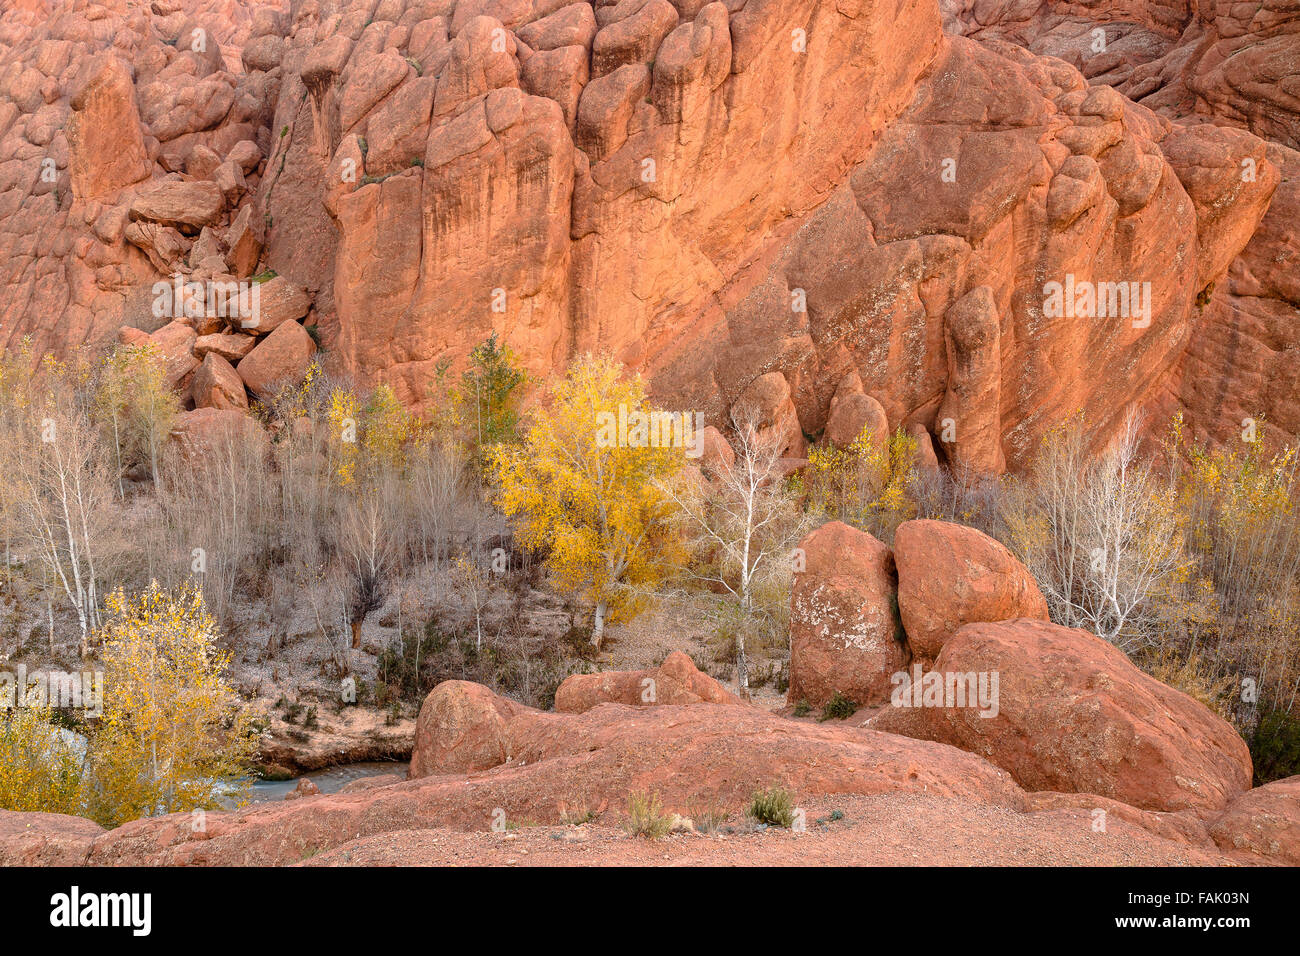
(595, 507)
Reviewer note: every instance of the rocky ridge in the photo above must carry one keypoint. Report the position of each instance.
(743, 200)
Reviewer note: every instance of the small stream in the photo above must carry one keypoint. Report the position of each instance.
(330, 780)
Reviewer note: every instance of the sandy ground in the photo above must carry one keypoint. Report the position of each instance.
(885, 830)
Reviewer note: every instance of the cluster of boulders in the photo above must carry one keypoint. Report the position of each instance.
(136, 150)
(947, 635)
(218, 361)
(860, 612)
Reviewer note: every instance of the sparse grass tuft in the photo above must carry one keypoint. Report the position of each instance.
(646, 817)
(708, 819)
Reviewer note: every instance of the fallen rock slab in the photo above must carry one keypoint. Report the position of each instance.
(279, 359)
(187, 206)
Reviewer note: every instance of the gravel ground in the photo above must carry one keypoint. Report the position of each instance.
(885, 830)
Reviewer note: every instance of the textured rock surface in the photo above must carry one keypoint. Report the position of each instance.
(950, 575)
(204, 432)
(844, 630)
(1264, 821)
(45, 839)
(549, 766)
(852, 411)
(1243, 359)
(216, 384)
(1230, 64)
(679, 185)
(1233, 62)
(461, 728)
(1074, 715)
(676, 681)
(905, 828)
(279, 359)
(703, 754)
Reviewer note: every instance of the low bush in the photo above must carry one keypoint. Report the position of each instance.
(773, 807)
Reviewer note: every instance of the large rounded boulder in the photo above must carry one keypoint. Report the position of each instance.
(1061, 709)
(676, 681)
(950, 575)
(462, 728)
(844, 633)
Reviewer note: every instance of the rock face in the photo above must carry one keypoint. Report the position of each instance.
(105, 142)
(1264, 821)
(675, 681)
(1228, 61)
(611, 178)
(970, 410)
(1073, 715)
(1241, 358)
(950, 575)
(844, 631)
(1233, 65)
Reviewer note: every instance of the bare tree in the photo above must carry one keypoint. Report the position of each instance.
(437, 485)
(474, 585)
(1100, 535)
(748, 520)
(366, 551)
(218, 507)
(67, 491)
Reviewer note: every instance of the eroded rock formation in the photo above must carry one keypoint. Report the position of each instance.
(718, 194)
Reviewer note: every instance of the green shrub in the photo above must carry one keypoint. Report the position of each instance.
(773, 806)
(802, 709)
(838, 707)
(1275, 747)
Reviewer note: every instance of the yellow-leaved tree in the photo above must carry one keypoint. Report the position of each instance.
(40, 769)
(135, 408)
(868, 484)
(588, 492)
(173, 732)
